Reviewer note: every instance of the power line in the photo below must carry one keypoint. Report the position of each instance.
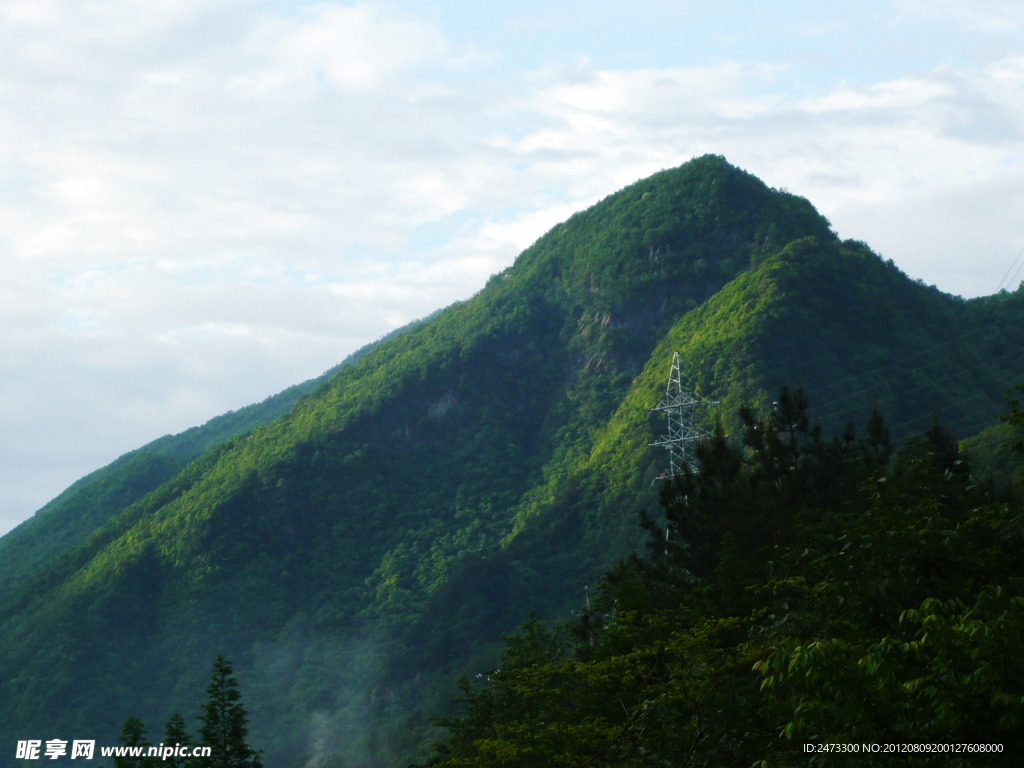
(993, 304)
(1014, 264)
(930, 350)
(1015, 274)
(975, 396)
(901, 393)
(992, 301)
(959, 347)
(994, 442)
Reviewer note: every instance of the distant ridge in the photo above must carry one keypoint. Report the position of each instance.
(90, 502)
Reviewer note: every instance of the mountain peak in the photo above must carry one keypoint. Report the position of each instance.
(388, 529)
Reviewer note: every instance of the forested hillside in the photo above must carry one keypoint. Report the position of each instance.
(803, 601)
(357, 553)
(91, 501)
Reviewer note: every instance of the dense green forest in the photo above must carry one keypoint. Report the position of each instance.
(357, 550)
(797, 592)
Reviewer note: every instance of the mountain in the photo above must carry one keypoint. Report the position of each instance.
(90, 502)
(354, 554)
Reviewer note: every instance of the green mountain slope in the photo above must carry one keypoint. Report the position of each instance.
(91, 501)
(831, 317)
(991, 454)
(382, 534)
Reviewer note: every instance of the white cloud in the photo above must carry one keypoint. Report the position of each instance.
(980, 16)
(201, 203)
(354, 48)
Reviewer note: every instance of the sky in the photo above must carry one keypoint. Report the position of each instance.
(202, 203)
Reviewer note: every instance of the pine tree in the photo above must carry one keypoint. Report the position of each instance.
(225, 722)
(176, 736)
(133, 734)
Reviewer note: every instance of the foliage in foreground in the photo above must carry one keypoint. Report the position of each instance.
(800, 591)
(225, 729)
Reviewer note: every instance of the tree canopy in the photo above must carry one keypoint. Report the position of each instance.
(225, 722)
(796, 591)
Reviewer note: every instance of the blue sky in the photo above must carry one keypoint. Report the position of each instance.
(204, 202)
(822, 42)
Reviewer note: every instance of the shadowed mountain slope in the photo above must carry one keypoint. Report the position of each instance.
(353, 554)
(849, 328)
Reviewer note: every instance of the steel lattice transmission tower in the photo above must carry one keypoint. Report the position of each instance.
(679, 406)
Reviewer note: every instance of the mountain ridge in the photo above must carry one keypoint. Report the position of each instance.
(90, 501)
(377, 538)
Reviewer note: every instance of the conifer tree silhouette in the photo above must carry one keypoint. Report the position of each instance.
(225, 722)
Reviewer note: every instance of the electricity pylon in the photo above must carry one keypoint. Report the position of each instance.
(679, 406)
